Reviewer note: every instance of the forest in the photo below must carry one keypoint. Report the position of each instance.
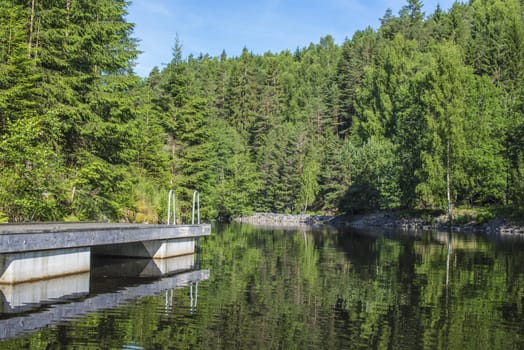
(424, 112)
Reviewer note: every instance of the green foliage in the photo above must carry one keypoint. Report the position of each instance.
(288, 168)
(464, 215)
(464, 134)
(391, 118)
(375, 185)
(356, 55)
(32, 185)
(149, 203)
(236, 180)
(309, 186)
(101, 190)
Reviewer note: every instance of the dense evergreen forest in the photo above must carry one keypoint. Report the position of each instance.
(427, 111)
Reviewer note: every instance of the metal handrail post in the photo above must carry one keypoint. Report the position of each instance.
(196, 199)
(171, 197)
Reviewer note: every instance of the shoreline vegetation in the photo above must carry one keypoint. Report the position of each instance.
(397, 220)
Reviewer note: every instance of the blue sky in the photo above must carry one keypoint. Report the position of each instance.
(210, 26)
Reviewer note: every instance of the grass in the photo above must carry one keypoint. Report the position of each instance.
(473, 215)
(148, 203)
(482, 215)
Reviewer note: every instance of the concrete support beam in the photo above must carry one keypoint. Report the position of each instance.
(160, 249)
(40, 265)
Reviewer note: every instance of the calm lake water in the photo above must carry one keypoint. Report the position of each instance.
(292, 289)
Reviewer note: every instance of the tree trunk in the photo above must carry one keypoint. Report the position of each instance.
(448, 184)
(68, 14)
(37, 40)
(31, 25)
(9, 46)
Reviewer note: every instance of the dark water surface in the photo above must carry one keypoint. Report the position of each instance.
(292, 289)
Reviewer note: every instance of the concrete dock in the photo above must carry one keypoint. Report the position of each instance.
(30, 252)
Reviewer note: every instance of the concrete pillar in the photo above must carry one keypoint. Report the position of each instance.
(170, 248)
(40, 265)
(161, 267)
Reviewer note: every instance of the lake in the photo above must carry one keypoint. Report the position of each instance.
(275, 288)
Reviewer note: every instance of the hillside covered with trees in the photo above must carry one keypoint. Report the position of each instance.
(424, 112)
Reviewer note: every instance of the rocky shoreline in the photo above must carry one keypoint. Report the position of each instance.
(386, 220)
(381, 220)
(284, 219)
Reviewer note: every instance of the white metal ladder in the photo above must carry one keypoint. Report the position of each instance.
(171, 201)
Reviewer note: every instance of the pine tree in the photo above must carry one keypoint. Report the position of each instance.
(336, 175)
(241, 96)
(356, 55)
(73, 51)
(411, 20)
(271, 108)
(236, 181)
(17, 71)
(282, 161)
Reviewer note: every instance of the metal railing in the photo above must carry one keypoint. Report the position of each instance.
(193, 298)
(171, 197)
(196, 200)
